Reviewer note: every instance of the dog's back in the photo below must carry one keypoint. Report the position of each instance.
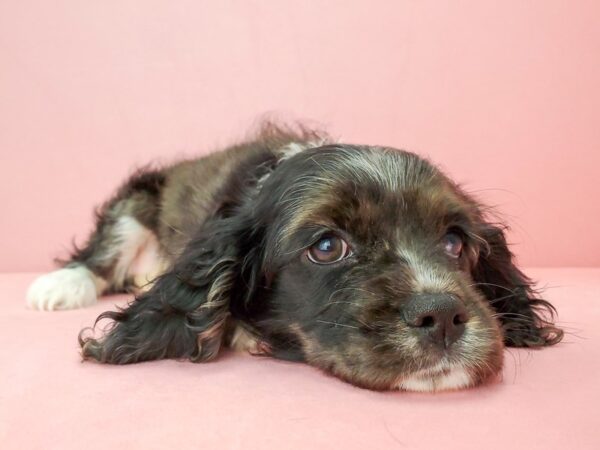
(142, 229)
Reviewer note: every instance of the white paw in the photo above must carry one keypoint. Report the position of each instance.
(67, 288)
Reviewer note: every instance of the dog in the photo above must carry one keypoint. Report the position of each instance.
(364, 261)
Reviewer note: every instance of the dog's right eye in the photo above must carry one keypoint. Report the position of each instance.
(328, 250)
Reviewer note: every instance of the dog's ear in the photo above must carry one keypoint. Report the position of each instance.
(526, 319)
(184, 315)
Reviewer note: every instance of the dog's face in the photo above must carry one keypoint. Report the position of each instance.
(366, 262)
(368, 257)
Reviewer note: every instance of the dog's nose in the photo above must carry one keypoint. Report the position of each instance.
(441, 317)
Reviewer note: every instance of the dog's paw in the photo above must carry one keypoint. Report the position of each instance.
(66, 288)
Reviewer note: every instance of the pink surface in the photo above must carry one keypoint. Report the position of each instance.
(48, 399)
(503, 94)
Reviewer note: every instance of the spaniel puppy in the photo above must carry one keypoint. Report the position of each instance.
(367, 262)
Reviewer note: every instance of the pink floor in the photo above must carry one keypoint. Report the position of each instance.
(48, 399)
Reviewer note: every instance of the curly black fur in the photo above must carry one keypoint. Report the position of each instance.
(526, 318)
(183, 315)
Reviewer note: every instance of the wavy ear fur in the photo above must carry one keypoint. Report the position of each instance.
(184, 314)
(526, 319)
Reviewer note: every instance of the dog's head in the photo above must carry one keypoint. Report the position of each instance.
(370, 263)
(367, 262)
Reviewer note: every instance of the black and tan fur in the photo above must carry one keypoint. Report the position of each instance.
(230, 233)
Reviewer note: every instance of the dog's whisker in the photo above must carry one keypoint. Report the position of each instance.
(492, 285)
(337, 324)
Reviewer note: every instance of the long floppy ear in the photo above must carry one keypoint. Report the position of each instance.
(526, 319)
(184, 314)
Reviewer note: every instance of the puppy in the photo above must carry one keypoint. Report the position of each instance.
(367, 262)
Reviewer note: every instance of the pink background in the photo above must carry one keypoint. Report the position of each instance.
(504, 95)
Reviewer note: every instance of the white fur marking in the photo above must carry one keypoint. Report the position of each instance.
(456, 378)
(426, 277)
(68, 288)
(243, 341)
(147, 265)
(289, 150)
(133, 237)
(293, 148)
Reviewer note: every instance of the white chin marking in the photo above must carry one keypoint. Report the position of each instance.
(68, 288)
(455, 378)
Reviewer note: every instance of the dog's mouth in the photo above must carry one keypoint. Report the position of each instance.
(449, 375)
(441, 377)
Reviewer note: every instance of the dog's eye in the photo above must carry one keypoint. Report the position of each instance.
(328, 250)
(453, 244)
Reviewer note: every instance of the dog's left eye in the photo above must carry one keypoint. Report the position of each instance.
(453, 244)
(328, 250)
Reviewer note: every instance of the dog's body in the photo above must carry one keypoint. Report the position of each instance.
(365, 261)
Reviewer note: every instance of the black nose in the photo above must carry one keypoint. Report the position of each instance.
(441, 317)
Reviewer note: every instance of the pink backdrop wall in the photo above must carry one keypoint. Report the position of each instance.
(505, 95)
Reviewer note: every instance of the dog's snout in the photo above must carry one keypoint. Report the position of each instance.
(441, 317)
